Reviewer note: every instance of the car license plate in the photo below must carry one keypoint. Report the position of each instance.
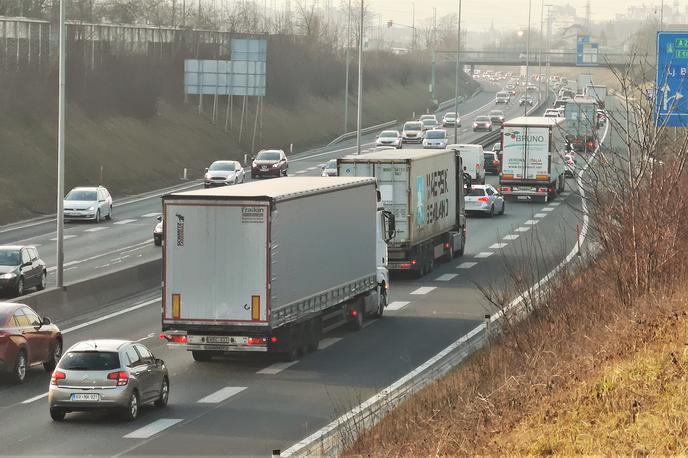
(264, 168)
(217, 339)
(85, 397)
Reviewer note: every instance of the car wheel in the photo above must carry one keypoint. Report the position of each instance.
(19, 288)
(164, 394)
(55, 356)
(132, 411)
(109, 216)
(20, 365)
(201, 356)
(492, 211)
(97, 220)
(382, 304)
(57, 414)
(503, 207)
(44, 281)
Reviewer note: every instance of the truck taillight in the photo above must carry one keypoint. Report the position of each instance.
(177, 339)
(542, 190)
(257, 341)
(506, 189)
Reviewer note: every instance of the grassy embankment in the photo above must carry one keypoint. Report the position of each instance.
(140, 155)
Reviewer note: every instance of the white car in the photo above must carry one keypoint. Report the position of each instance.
(157, 233)
(389, 138)
(551, 113)
(329, 168)
(428, 116)
(222, 173)
(451, 119)
(88, 203)
(435, 138)
(570, 161)
(484, 198)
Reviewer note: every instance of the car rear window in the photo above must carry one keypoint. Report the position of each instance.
(436, 134)
(476, 192)
(90, 361)
(482, 119)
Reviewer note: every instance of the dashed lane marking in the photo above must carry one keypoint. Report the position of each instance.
(548, 209)
(70, 236)
(539, 215)
(466, 265)
(446, 277)
(276, 368)
(221, 395)
(484, 254)
(151, 215)
(531, 222)
(511, 237)
(125, 221)
(97, 229)
(522, 229)
(323, 344)
(498, 246)
(397, 305)
(423, 290)
(153, 428)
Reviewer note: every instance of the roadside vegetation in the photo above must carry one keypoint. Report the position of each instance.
(596, 361)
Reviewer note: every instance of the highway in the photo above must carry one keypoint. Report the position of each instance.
(94, 249)
(252, 405)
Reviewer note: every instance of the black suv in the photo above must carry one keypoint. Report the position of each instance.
(21, 269)
(269, 163)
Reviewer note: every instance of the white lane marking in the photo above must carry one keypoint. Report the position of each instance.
(96, 229)
(323, 344)
(222, 394)
(35, 398)
(66, 264)
(149, 336)
(531, 222)
(466, 265)
(554, 204)
(311, 168)
(511, 237)
(446, 277)
(153, 428)
(370, 323)
(151, 215)
(397, 305)
(548, 209)
(483, 254)
(276, 368)
(423, 290)
(301, 171)
(497, 246)
(522, 229)
(118, 251)
(539, 215)
(125, 221)
(70, 236)
(565, 194)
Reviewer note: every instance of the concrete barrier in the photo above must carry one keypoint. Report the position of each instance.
(91, 294)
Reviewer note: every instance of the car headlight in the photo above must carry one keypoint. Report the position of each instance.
(91, 208)
(276, 164)
(8, 276)
(254, 165)
(207, 176)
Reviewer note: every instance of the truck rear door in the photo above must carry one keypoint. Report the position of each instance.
(215, 262)
(526, 152)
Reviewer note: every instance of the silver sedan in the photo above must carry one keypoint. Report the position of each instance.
(107, 374)
(485, 199)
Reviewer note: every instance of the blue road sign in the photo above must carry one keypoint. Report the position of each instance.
(586, 51)
(671, 106)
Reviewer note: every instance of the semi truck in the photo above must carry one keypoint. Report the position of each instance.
(270, 266)
(581, 124)
(532, 158)
(425, 192)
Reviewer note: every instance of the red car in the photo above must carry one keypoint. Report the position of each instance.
(26, 339)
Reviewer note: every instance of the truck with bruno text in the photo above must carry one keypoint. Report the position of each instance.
(425, 192)
(532, 158)
(271, 266)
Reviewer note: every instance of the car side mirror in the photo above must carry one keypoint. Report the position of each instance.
(46, 321)
(25, 264)
(253, 158)
(206, 169)
(159, 218)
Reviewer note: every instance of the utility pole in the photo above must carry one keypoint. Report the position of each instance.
(661, 16)
(458, 69)
(413, 26)
(542, 20)
(59, 273)
(360, 84)
(525, 105)
(346, 79)
(434, 60)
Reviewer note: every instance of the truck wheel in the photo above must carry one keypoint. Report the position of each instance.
(463, 243)
(431, 262)
(201, 356)
(381, 305)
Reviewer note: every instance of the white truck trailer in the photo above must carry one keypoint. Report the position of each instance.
(583, 80)
(532, 158)
(424, 190)
(269, 266)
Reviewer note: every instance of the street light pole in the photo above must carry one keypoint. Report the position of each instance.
(413, 26)
(458, 69)
(661, 16)
(346, 79)
(360, 84)
(525, 105)
(542, 18)
(59, 272)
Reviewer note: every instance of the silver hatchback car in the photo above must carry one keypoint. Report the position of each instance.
(107, 374)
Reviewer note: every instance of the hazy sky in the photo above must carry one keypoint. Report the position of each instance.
(506, 13)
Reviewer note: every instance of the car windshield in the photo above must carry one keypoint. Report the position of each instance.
(81, 195)
(429, 122)
(476, 192)
(331, 164)
(268, 156)
(90, 361)
(482, 119)
(389, 134)
(436, 134)
(413, 126)
(496, 113)
(224, 166)
(10, 258)
(502, 94)
(450, 115)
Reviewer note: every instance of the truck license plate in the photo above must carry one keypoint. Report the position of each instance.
(85, 397)
(217, 339)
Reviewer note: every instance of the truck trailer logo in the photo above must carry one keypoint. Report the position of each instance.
(252, 214)
(420, 197)
(518, 136)
(180, 229)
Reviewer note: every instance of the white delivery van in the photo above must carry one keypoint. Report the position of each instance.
(473, 159)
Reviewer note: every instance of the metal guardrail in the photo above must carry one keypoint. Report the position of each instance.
(363, 131)
(450, 103)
